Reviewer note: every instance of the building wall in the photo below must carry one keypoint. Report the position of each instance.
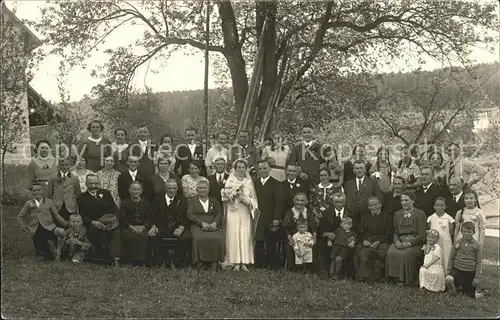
(23, 150)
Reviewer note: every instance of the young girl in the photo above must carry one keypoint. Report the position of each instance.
(75, 241)
(303, 242)
(465, 262)
(431, 273)
(444, 224)
(471, 213)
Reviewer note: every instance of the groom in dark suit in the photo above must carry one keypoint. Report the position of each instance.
(268, 232)
(218, 179)
(93, 204)
(358, 191)
(293, 185)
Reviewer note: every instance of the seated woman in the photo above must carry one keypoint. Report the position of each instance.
(206, 215)
(134, 222)
(81, 172)
(190, 181)
(322, 194)
(375, 233)
(405, 254)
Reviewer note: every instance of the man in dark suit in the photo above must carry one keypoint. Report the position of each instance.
(425, 194)
(293, 185)
(134, 174)
(94, 204)
(218, 179)
(169, 220)
(359, 190)
(268, 232)
(144, 150)
(187, 152)
(455, 199)
(308, 155)
(243, 150)
(64, 189)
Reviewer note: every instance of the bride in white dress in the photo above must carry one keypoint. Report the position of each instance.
(241, 209)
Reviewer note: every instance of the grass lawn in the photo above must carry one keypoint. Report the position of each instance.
(56, 290)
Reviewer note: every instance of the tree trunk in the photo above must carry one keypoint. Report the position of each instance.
(266, 9)
(4, 189)
(233, 55)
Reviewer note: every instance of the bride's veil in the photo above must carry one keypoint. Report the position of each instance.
(247, 181)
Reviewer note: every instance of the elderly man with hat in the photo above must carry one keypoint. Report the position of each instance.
(98, 211)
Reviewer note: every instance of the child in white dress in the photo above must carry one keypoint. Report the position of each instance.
(471, 213)
(431, 275)
(303, 243)
(444, 224)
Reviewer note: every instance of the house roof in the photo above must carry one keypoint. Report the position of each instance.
(33, 94)
(32, 37)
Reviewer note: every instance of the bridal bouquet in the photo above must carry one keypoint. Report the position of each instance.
(231, 194)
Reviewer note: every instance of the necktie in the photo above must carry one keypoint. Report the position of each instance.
(168, 202)
(359, 184)
(220, 178)
(451, 171)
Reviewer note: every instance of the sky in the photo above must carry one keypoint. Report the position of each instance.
(183, 71)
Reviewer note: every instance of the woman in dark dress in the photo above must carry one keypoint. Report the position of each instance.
(134, 223)
(163, 175)
(375, 234)
(120, 150)
(392, 199)
(322, 194)
(405, 253)
(205, 214)
(95, 147)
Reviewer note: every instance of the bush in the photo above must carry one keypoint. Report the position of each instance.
(16, 181)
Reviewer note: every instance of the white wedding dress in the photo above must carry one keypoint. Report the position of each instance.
(239, 226)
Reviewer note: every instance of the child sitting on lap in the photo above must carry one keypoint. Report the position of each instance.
(464, 266)
(345, 238)
(75, 241)
(37, 218)
(303, 244)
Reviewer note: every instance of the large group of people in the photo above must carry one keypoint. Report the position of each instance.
(276, 206)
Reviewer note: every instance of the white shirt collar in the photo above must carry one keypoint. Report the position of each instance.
(168, 199)
(219, 175)
(38, 202)
(427, 187)
(204, 204)
(143, 142)
(133, 174)
(308, 144)
(360, 179)
(264, 180)
(64, 174)
(457, 196)
(296, 213)
(341, 212)
(292, 181)
(330, 185)
(95, 140)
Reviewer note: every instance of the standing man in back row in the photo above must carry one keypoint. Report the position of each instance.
(244, 150)
(462, 168)
(307, 155)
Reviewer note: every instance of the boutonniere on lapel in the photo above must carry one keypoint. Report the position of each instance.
(297, 185)
(100, 195)
(457, 246)
(32, 204)
(211, 207)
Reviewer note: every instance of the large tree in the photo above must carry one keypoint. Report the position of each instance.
(298, 35)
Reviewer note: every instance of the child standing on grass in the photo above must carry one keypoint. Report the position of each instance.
(431, 275)
(471, 213)
(37, 218)
(303, 243)
(444, 224)
(75, 242)
(465, 262)
(345, 239)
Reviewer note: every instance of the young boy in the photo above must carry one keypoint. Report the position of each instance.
(75, 241)
(465, 263)
(294, 217)
(345, 239)
(37, 218)
(303, 243)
